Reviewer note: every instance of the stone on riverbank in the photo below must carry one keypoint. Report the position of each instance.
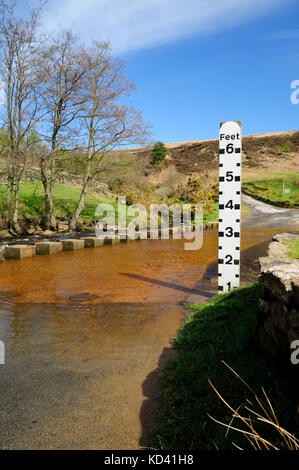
(278, 318)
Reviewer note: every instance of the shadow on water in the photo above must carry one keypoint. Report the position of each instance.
(171, 285)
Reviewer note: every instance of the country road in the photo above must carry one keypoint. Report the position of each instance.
(265, 215)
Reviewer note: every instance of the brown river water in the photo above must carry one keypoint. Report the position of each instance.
(87, 334)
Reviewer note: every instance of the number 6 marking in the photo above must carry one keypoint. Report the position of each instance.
(229, 148)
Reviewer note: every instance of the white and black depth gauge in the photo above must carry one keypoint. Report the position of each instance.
(230, 159)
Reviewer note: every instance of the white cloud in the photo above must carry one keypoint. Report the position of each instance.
(135, 24)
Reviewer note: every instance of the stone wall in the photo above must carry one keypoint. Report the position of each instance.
(278, 317)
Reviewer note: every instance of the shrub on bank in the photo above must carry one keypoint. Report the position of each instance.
(158, 154)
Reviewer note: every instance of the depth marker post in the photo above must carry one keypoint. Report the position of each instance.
(230, 159)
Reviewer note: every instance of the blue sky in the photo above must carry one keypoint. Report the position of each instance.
(198, 62)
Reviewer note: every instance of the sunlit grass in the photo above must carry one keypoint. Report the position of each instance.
(270, 188)
(65, 200)
(293, 249)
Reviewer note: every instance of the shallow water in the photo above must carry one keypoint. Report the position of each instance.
(87, 333)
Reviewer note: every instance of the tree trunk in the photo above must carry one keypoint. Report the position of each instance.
(86, 181)
(9, 192)
(81, 203)
(14, 219)
(49, 221)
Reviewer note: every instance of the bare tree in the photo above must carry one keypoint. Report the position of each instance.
(18, 50)
(63, 68)
(107, 124)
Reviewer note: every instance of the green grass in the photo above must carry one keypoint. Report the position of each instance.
(270, 189)
(285, 148)
(213, 215)
(293, 249)
(223, 329)
(65, 199)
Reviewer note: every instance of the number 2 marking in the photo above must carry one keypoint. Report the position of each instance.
(229, 259)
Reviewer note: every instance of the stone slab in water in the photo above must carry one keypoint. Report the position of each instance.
(92, 242)
(19, 251)
(72, 244)
(111, 241)
(83, 297)
(48, 248)
(132, 236)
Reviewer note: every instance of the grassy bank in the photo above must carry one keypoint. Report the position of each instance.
(222, 330)
(65, 200)
(270, 189)
(293, 249)
(213, 215)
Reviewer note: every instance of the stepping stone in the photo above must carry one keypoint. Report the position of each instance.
(131, 235)
(83, 297)
(72, 244)
(48, 248)
(122, 236)
(111, 241)
(92, 242)
(176, 230)
(19, 251)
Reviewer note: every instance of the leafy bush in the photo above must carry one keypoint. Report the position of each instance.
(201, 190)
(158, 153)
(284, 148)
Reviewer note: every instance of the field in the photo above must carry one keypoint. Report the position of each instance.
(65, 199)
(279, 189)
